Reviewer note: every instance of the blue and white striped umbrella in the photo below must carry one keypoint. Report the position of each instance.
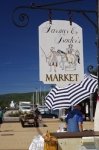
(71, 95)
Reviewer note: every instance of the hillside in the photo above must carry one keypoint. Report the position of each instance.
(16, 97)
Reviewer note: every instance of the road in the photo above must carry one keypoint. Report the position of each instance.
(14, 137)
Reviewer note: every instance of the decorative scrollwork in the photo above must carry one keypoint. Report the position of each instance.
(20, 19)
(93, 70)
(90, 68)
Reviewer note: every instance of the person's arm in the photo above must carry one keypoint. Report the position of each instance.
(80, 122)
(80, 126)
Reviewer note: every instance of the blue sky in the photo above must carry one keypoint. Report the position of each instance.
(19, 47)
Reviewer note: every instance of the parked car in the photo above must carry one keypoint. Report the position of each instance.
(49, 115)
(43, 109)
(30, 119)
(25, 106)
(24, 109)
(46, 113)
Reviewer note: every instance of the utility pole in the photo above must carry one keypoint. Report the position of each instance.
(33, 100)
(36, 96)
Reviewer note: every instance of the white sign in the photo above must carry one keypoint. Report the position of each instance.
(60, 53)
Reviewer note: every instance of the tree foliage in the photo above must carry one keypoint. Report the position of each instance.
(6, 99)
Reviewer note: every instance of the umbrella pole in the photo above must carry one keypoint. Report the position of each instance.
(96, 118)
(91, 107)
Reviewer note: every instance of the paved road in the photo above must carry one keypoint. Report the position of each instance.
(14, 137)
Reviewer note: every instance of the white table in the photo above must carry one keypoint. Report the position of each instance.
(86, 140)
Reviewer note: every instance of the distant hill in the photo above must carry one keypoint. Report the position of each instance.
(16, 97)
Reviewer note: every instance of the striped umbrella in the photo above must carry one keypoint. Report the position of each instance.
(71, 95)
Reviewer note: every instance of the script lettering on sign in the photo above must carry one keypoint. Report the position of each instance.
(60, 53)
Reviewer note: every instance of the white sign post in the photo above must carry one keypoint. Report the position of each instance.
(60, 53)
